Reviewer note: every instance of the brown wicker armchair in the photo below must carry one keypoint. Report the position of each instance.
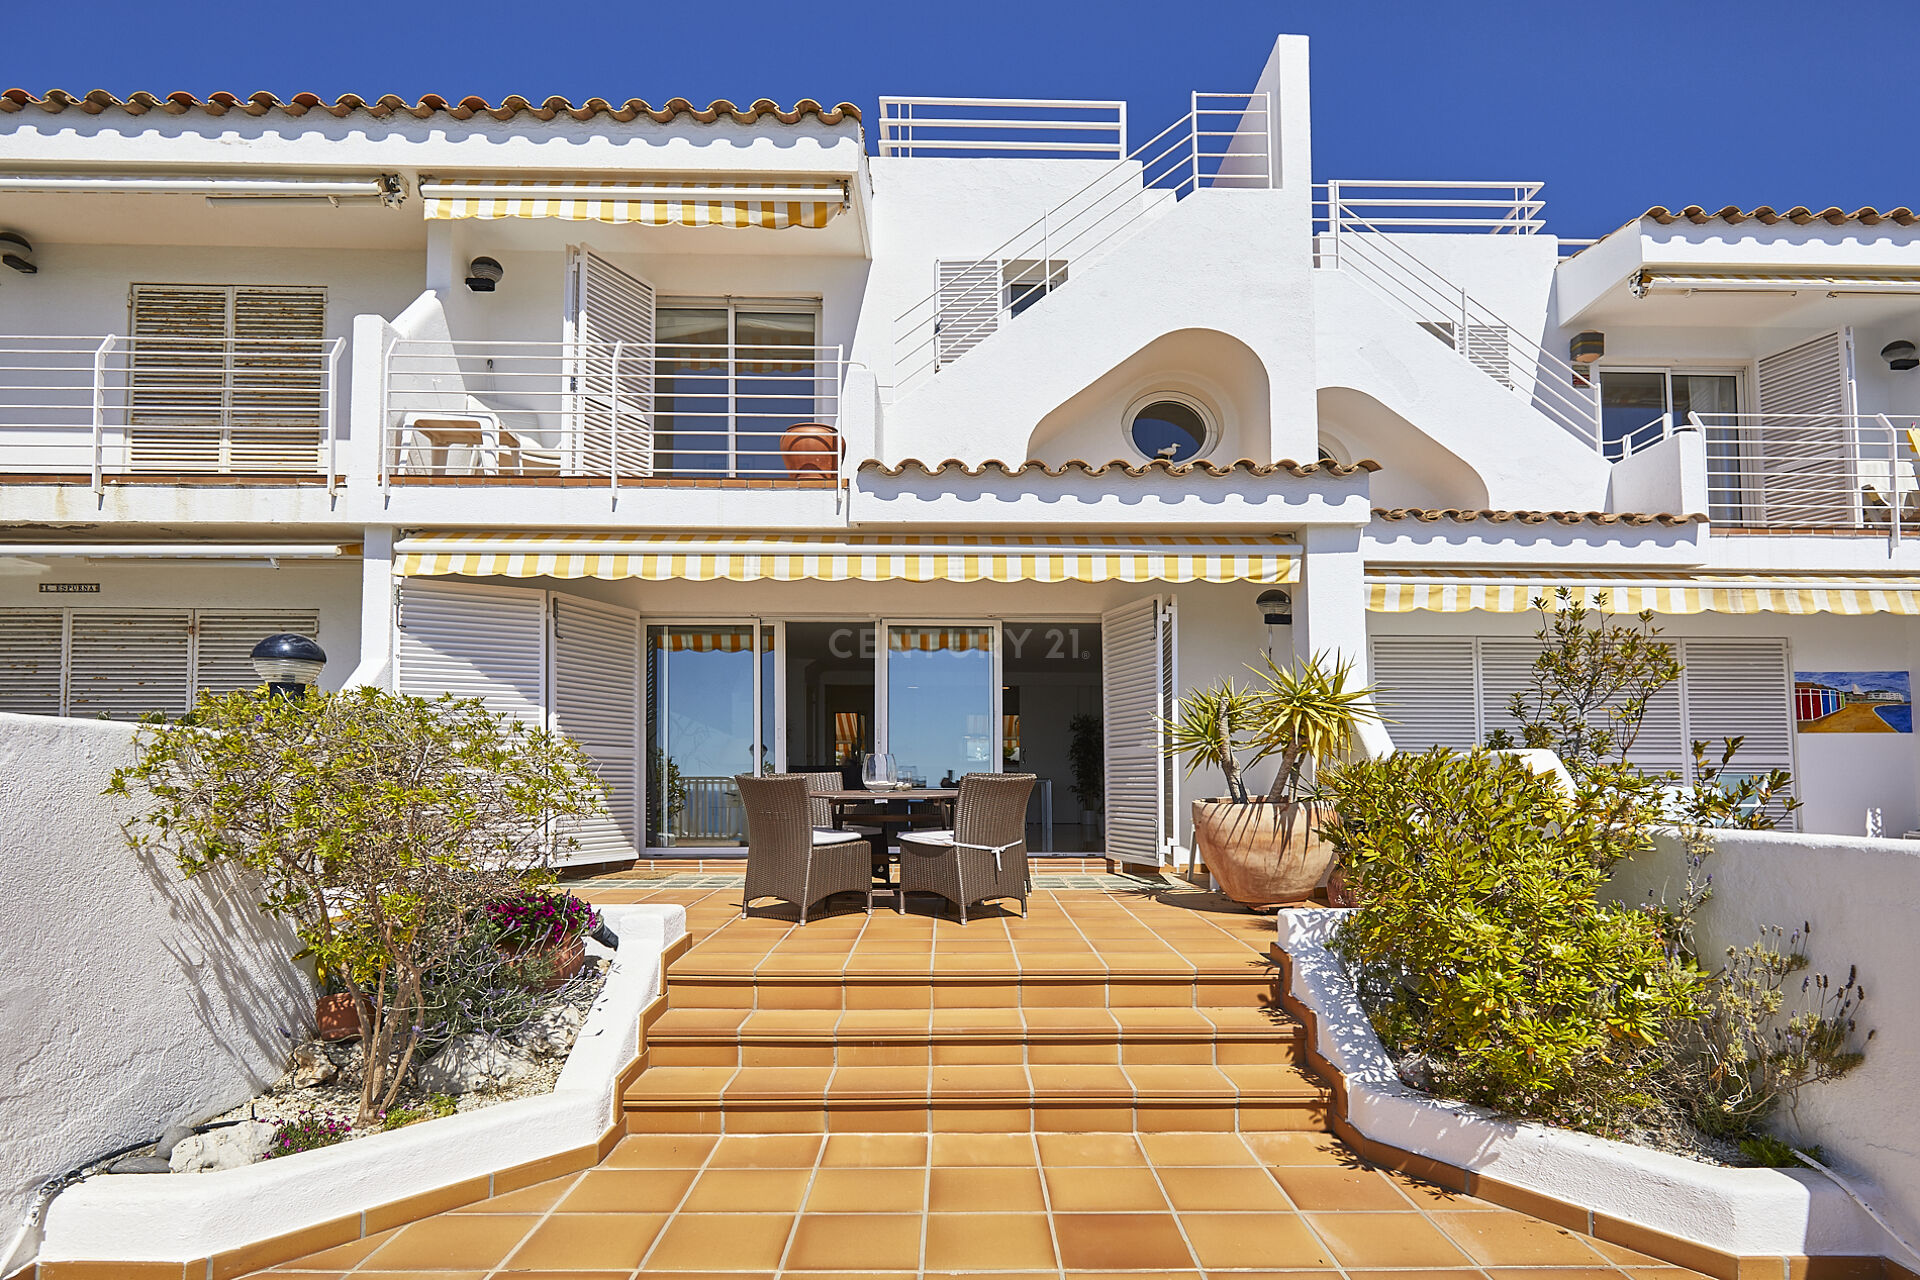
(984, 856)
(787, 856)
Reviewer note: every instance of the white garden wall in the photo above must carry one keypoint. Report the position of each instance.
(129, 999)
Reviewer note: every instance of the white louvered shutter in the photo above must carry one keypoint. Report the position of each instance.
(1806, 454)
(1135, 692)
(610, 351)
(474, 642)
(1490, 349)
(1737, 688)
(33, 645)
(1425, 689)
(968, 309)
(224, 640)
(128, 663)
(176, 369)
(596, 690)
(1505, 668)
(277, 380)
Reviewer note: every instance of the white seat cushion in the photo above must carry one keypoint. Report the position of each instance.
(826, 835)
(939, 838)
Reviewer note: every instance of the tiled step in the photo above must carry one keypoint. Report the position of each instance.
(724, 1037)
(1041, 1097)
(831, 982)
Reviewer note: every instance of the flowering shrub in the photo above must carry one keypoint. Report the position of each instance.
(536, 918)
(308, 1131)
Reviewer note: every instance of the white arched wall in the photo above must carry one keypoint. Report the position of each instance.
(1216, 369)
(1415, 471)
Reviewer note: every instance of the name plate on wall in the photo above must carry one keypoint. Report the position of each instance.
(70, 588)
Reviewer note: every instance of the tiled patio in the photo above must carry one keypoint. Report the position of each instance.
(1102, 1087)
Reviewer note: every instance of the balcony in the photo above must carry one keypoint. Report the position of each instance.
(1823, 473)
(573, 414)
(111, 409)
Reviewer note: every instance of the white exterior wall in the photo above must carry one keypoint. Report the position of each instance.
(132, 999)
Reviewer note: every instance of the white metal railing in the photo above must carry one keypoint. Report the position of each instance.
(1354, 243)
(1826, 472)
(114, 405)
(1222, 141)
(1496, 208)
(1071, 128)
(710, 809)
(536, 411)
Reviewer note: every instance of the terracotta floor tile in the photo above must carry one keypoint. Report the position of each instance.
(874, 1151)
(1426, 1195)
(748, 1191)
(1277, 1240)
(779, 1151)
(1182, 1149)
(1108, 1190)
(989, 1190)
(721, 1242)
(588, 1242)
(1090, 1149)
(1555, 1273)
(1223, 1191)
(1106, 1241)
(660, 1151)
(879, 1082)
(1307, 1147)
(453, 1241)
(867, 1191)
(973, 1150)
(627, 1191)
(1410, 1274)
(340, 1257)
(989, 1241)
(1618, 1254)
(419, 1275)
(1516, 1240)
(1133, 1275)
(856, 1242)
(1386, 1240)
(1336, 1188)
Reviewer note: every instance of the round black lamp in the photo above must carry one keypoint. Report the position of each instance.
(288, 663)
(1901, 355)
(1276, 608)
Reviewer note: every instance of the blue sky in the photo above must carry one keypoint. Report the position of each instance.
(1616, 105)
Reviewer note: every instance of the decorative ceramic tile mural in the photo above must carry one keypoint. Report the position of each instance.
(1852, 702)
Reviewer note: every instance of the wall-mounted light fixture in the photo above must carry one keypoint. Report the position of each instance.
(1587, 347)
(1276, 608)
(484, 275)
(1901, 355)
(15, 252)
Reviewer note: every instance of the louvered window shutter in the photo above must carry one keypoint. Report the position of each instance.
(474, 642)
(277, 380)
(176, 369)
(596, 702)
(1740, 688)
(33, 645)
(224, 639)
(127, 663)
(1803, 450)
(968, 307)
(1425, 690)
(1489, 347)
(611, 310)
(1135, 678)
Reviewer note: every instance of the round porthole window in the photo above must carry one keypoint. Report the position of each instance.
(1171, 426)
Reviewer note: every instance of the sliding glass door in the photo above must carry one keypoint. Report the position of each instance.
(711, 707)
(941, 703)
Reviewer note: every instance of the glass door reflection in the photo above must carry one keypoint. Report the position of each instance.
(942, 718)
(711, 702)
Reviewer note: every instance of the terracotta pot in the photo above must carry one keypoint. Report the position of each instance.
(1339, 892)
(810, 448)
(335, 1016)
(1262, 854)
(566, 959)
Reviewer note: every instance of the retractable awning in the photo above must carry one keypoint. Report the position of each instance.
(1404, 591)
(1651, 280)
(771, 205)
(849, 559)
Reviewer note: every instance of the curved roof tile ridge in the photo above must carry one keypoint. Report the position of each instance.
(1132, 469)
(1800, 215)
(96, 101)
(1462, 515)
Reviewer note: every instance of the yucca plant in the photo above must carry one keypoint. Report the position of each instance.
(1305, 712)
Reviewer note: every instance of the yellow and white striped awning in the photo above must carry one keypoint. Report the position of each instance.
(703, 639)
(940, 639)
(1651, 280)
(934, 558)
(1403, 591)
(771, 205)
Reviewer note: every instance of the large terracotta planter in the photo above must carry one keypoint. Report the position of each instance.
(566, 959)
(1262, 854)
(336, 1017)
(810, 449)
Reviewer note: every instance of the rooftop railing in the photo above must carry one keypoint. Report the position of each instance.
(1494, 208)
(1032, 128)
(561, 412)
(96, 408)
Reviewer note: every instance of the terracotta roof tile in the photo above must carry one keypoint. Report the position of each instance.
(1132, 469)
(1799, 214)
(1429, 515)
(259, 104)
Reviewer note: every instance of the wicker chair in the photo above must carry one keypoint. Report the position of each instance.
(984, 856)
(787, 856)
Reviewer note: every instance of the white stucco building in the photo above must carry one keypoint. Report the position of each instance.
(501, 399)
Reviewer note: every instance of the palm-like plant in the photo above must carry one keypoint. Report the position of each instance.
(1306, 712)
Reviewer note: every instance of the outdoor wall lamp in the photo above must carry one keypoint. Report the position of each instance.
(288, 663)
(1900, 355)
(1587, 347)
(1276, 608)
(484, 274)
(15, 252)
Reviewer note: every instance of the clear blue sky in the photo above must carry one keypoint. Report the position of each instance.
(1616, 105)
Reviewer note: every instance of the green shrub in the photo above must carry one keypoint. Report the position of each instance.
(436, 1106)
(308, 1131)
(1482, 948)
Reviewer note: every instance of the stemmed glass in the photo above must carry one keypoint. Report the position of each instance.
(879, 773)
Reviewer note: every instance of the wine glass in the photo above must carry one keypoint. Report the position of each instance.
(879, 773)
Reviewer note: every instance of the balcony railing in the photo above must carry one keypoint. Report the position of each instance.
(610, 412)
(1041, 128)
(114, 407)
(1812, 472)
(1496, 208)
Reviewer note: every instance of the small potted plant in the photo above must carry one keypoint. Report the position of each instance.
(1087, 755)
(548, 931)
(1268, 850)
